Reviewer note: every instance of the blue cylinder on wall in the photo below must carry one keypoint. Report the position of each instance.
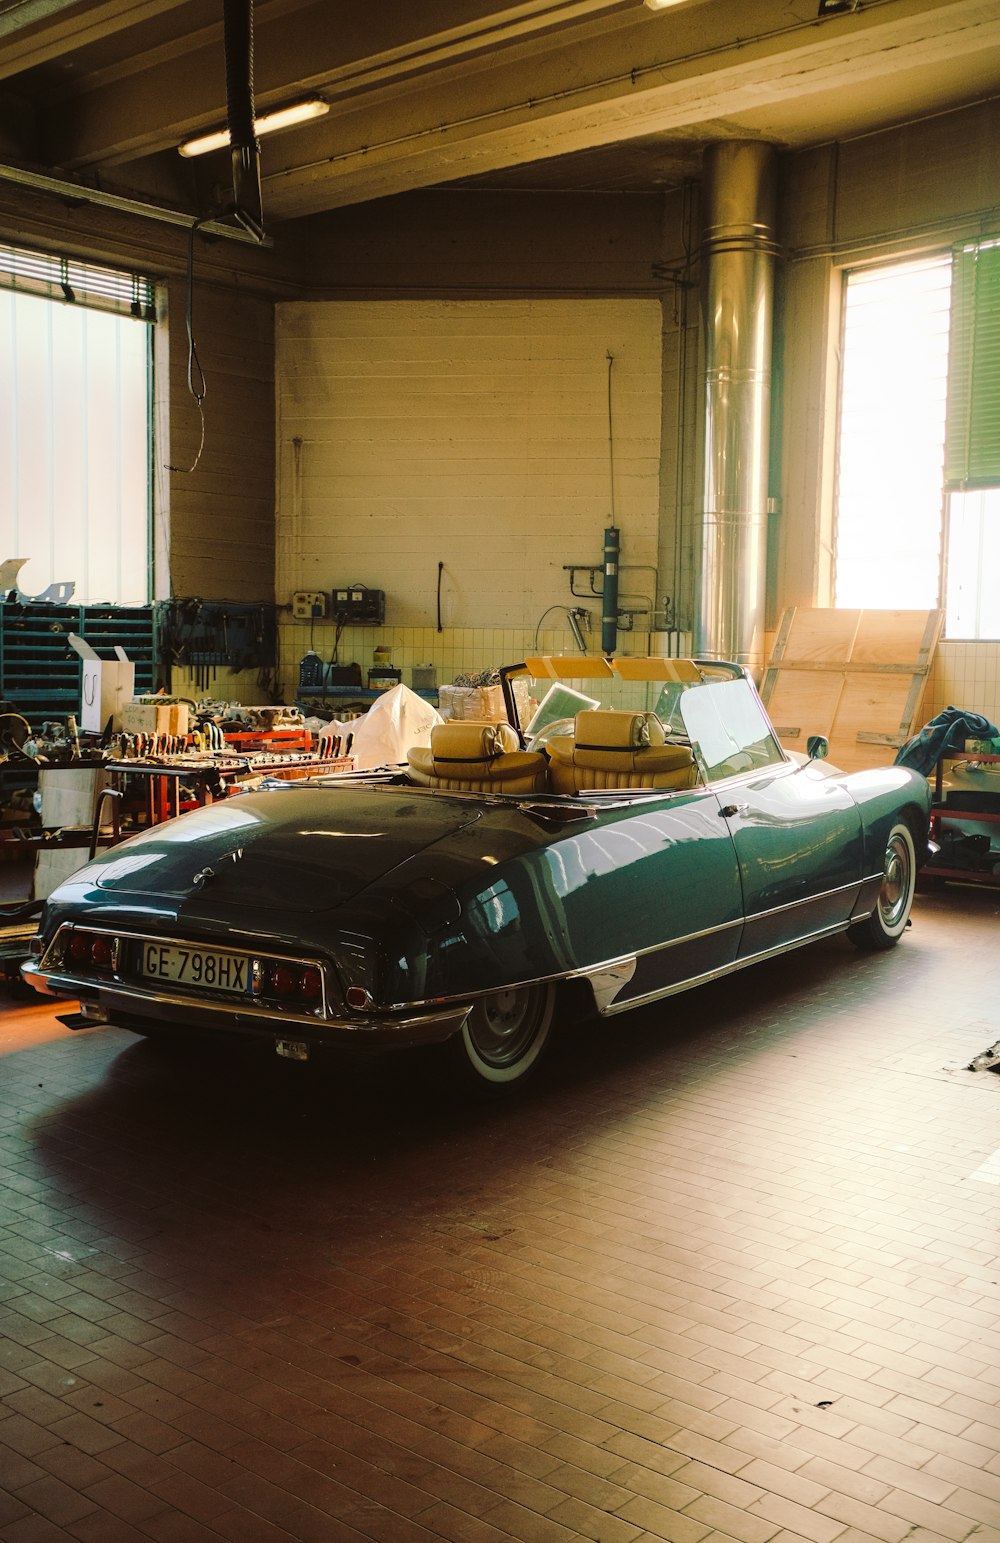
(609, 592)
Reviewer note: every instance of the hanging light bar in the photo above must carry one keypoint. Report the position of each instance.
(268, 123)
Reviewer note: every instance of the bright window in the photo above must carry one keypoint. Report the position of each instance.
(75, 359)
(892, 426)
(918, 482)
(973, 599)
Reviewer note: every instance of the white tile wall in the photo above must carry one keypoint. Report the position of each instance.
(965, 675)
(455, 651)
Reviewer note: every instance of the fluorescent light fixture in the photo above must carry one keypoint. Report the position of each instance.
(661, 5)
(270, 123)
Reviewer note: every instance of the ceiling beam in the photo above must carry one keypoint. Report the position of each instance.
(35, 32)
(456, 88)
(152, 101)
(602, 96)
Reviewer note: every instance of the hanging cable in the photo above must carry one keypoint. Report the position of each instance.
(196, 383)
(611, 440)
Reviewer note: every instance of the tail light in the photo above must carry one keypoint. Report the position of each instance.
(93, 951)
(283, 980)
(311, 985)
(290, 982)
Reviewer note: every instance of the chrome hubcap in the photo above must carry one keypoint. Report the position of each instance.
(895, 891)
(503, 1027)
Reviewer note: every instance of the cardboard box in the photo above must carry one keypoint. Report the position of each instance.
(68, 794)
(107, 685)
(53, 868)
(483, 703)
(153, 717)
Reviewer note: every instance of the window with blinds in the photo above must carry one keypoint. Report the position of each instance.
(77, 283)
(972, 460)
(973, 439)
(76, 435)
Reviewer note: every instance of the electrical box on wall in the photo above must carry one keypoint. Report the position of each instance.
(357, 604)
(308, 604)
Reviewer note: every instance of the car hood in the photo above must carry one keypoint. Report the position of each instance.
(294, 849)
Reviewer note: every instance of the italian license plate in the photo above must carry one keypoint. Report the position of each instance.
(202, 967)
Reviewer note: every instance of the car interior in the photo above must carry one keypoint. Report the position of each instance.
(644, 728)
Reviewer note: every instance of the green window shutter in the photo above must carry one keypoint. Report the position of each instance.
(972, 444)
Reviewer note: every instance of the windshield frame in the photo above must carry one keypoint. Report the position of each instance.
(717, 742)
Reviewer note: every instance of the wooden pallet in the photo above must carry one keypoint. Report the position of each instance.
(856, 676)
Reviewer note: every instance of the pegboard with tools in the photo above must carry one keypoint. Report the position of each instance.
(204, 636)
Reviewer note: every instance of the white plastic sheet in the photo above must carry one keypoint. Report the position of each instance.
(397, 721)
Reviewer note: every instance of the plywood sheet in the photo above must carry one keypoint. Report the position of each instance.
(801, 705)
(856, 676)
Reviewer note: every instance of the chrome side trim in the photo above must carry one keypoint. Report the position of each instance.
(725, 969)
(606, 983)
(582, 972)
(794, 905)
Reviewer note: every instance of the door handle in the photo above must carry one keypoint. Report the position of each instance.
(729, 810)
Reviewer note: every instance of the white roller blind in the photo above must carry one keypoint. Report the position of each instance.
(75, 438)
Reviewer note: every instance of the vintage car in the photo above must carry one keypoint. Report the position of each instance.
(632, 829)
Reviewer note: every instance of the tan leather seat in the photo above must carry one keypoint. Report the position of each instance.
(617, 750)
(473, 757)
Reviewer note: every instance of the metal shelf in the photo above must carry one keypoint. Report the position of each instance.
(943, 813)
(39, 672)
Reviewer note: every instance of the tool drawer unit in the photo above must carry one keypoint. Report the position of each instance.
(40, 675)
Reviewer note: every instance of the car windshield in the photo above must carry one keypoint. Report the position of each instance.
(710, 706)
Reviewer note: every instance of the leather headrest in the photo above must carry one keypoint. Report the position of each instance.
(611, 730)
(465, 743)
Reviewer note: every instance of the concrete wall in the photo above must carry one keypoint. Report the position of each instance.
(221, 513)
(474, 434)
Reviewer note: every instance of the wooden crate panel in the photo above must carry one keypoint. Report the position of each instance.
(849, 756)
(856, 676)
(805, 704)
(895, 637)
(819, 637)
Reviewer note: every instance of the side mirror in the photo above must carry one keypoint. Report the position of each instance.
(817, 747)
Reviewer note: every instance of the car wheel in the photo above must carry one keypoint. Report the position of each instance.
(885, 926)
(505, 1033)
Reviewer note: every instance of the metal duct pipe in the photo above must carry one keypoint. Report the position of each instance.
(738, 251)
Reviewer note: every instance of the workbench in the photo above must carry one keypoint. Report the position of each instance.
(206, 779)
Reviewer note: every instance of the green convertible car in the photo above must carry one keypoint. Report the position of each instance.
(632, 829)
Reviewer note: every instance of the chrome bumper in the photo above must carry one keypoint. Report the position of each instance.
(128, 1004)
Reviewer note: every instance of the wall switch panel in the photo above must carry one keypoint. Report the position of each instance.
(356, 603)
(307, 604)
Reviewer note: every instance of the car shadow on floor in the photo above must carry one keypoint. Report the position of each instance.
(180, 1138)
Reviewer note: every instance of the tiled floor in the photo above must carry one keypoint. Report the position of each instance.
(729, 1270)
